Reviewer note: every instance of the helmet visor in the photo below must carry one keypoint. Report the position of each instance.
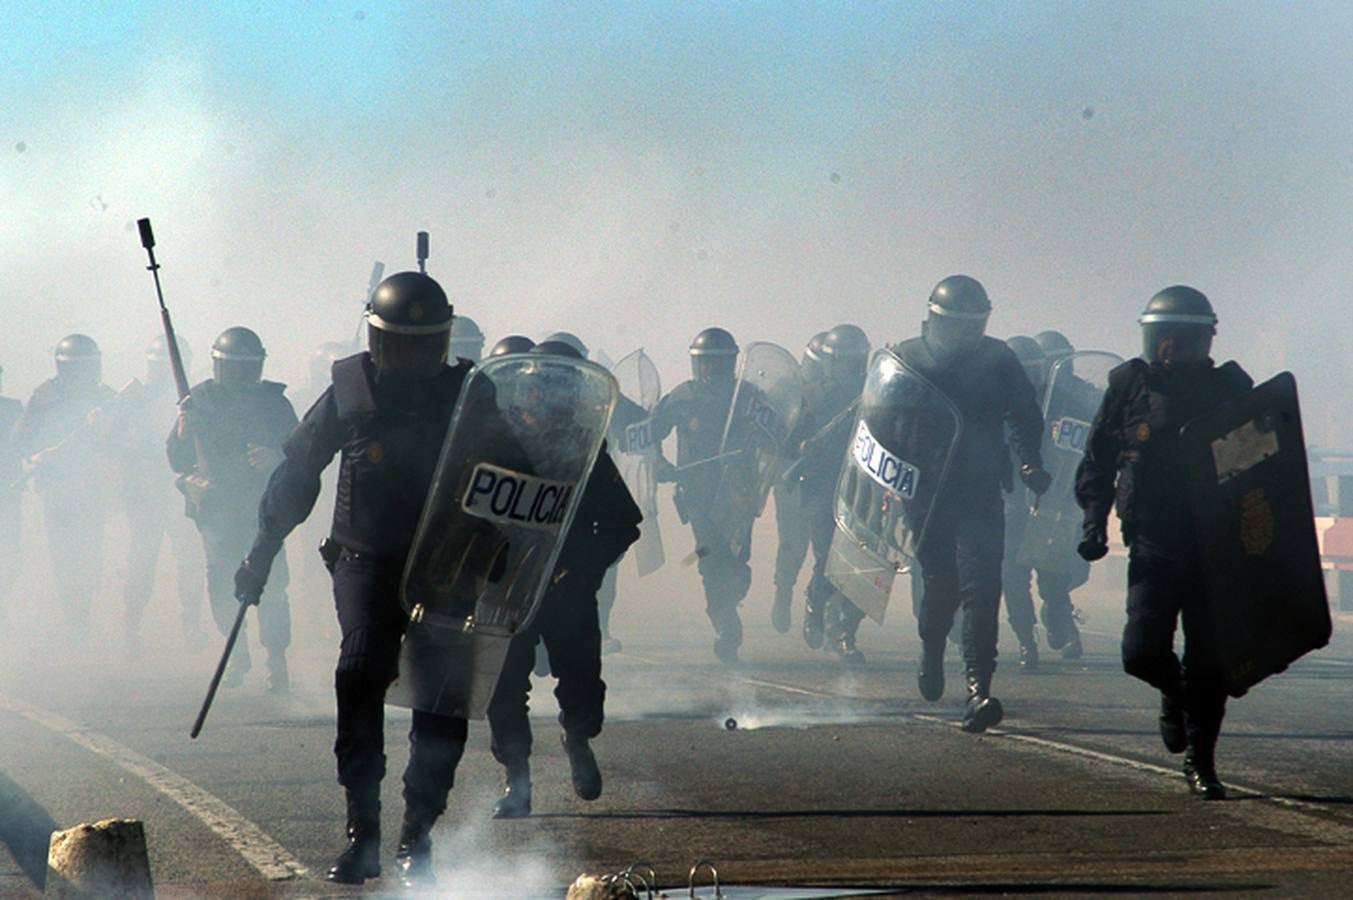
(1172, 343)
(415, 355)
(237, 372)
(713, 368)
(954, 334)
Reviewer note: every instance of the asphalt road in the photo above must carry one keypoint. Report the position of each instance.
(834, 776)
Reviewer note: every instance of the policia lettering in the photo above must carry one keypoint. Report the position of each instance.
(894, 473)
(502, 495)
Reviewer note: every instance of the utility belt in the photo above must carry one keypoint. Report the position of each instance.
(331, 552)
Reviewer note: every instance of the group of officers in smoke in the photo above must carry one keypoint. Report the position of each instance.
(385, 414)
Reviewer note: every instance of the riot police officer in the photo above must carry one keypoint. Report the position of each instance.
(60, 435)
(844, 356)
(467, 341)
(226, 442)
(605, 524)
(961, 551)
(386, 415)
(572, 340)
(513, 343)
(154, 509)
(1131, 463)
(791, 525)
(698, 411)
(1015, 584)
(11, 520)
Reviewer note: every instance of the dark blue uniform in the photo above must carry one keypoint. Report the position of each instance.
(1131, 462)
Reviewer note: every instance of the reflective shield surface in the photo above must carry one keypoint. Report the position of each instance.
(521, 443)
(636, 452)
(767, 399)
(1075, 389)
(903, 441)
(1251, 498)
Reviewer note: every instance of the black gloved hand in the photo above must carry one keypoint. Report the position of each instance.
(1035, 479)
(1094, 542)
(249, 583)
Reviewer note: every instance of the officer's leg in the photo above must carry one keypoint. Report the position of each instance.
(939, 600)
(371, 623)
(1019, 610)
(1153, 606)
(845, 625)
(190, 578)
(1054, 588)
(274, 625)
(574, 642)
(821, 527)
(792, 531)
(726, 579)
(510, 721)
(979, 550)
(605, 602)
(436, 744)
(146, 525)
(1204, 691)
(221, 547)
(75, 541)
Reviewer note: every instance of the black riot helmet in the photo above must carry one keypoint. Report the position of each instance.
(569, 338)
(322, 360)
(237, 358)
(513, 343)
(467, 341)
(810, 364)
(408, 327)
(714, 357)
(556, 347)
(1177, 327)
(957, 316)
(845, 356)
(78, 360)
(158, 367)
(1054, 345)
(1030, 356)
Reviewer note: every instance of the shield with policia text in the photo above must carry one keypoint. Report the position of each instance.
(517, 454)
(1075, 389)
(899, 456)
(767, 399)
(1251, 500)
(636, 451)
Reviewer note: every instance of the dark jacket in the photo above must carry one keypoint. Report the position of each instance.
(1131, 456)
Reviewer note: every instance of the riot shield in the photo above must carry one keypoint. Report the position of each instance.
(636, 452)
(1075, 388)
(767, 399)
(1251, 499)
(521, 443)
(905, 435)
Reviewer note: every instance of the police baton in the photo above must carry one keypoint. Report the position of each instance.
(708, 459)
(220, 670)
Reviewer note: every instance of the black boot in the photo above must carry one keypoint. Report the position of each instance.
(361, 858)
(1028, 651)
(728, 636)
(1201, 773)
(812, 625)
(414, 854)
(586, 774)
(1172, 723)
(516, 800)
(845, 648)
(930, 677)
(983, 710)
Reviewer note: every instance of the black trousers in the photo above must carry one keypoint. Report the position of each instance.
(726, 575)
(372, 623)
(150, 522)
(1165, 585)
(819, 515)
(225, 543)
(567, 622)
(960, 557)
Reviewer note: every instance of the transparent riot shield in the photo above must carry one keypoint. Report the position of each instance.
(1075, 389)
(1250, 493)
(767, 399)
(905, 435)
(636, 452)
(521, 443)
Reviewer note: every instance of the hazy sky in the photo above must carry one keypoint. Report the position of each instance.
(635, 172)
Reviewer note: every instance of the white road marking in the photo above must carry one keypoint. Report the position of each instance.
(267, 856)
